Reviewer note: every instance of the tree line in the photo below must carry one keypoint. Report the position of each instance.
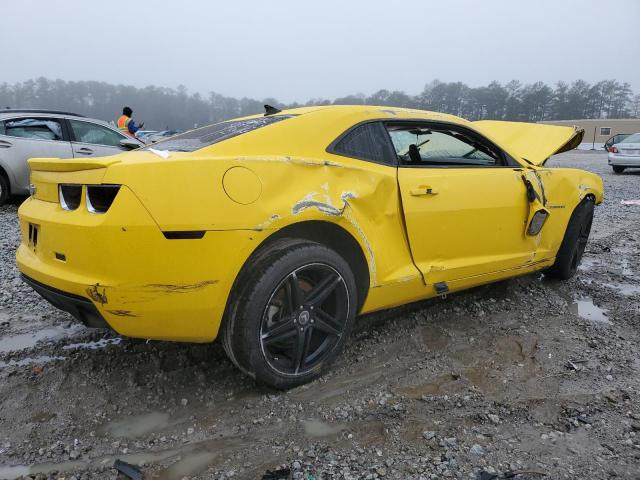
(165, 108)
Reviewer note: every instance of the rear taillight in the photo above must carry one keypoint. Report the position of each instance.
(70, 196)
(613, 150)
(100, 197)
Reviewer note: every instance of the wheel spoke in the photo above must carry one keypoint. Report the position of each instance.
(301, 349)
(295, 295)
(281, 331)
(327, 323)
(304, 318)
(323, 289)
(326, 327)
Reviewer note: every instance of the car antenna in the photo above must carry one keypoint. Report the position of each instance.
(269, 110)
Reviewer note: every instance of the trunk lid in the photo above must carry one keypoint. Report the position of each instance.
(533, 142)
(47, 173)
(628, 149)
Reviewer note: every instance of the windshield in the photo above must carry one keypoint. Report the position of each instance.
(635, 138)
(209, 135)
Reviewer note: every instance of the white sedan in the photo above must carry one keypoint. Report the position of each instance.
(625, 154)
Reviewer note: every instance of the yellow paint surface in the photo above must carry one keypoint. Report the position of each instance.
(247, 188)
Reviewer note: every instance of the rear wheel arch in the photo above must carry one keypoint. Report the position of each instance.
(325, 233)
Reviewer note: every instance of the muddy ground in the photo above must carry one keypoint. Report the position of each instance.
(527, 374)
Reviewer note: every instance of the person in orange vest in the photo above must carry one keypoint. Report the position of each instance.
(126, 123)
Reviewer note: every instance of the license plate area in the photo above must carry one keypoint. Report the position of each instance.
(34, 232)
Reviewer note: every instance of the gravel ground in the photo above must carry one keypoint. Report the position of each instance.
(523, 375)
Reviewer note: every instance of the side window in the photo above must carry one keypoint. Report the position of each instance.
(432, 146)
(86, 132)
(34, 128)
(368, 141)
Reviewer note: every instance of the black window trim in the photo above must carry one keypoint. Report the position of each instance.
(60, 120)
(507, 160)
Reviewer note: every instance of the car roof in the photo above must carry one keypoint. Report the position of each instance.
(11, 113)
(366, 112)
(29, 111)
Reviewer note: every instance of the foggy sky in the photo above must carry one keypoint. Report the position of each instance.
(295, 50)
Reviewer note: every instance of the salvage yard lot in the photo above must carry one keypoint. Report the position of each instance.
(527, 374)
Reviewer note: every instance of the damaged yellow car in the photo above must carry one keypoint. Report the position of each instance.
(272, 232)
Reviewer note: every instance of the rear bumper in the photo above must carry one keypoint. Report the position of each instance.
(80, 308)
(118, 268)
(623, 160)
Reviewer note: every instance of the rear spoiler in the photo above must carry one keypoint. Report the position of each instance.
(69, 164)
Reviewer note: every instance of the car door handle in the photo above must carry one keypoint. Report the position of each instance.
(84, 151)
(423, 190)
(5, 144)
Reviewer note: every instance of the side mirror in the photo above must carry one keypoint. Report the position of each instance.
(130, 143)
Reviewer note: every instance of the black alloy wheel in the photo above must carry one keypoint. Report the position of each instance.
(291, 312)
(304, 319)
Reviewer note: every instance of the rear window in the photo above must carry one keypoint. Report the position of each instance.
(635, 138)
(203, 137)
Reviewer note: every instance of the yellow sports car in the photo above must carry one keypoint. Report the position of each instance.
(274, 231)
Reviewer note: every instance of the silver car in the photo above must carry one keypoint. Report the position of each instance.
(625, 154)
(26, 134)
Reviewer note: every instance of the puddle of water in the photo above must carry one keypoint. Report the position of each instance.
(587, 263)
(94, 345)
(189, 464)
(28, 340)
(434, 337)
(586, 309)
(438, 386)
(42, 417)
(133, 427)
(188, 460)
(626, 289)
(318, 429)
(14, 472)
(30, 361)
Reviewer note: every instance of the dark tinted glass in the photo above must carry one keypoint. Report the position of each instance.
(368, 142)
(205, 136)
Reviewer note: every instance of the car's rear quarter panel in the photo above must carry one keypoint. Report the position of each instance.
(142, 283)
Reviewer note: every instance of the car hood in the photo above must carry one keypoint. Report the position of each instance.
(533, 142)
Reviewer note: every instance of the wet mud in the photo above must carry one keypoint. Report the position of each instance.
(525, 374)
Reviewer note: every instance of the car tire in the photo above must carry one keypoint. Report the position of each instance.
(618, 169)
(292, 312)
(574, 242)
(4, 190)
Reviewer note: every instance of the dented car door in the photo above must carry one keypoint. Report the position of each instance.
(466, 208)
